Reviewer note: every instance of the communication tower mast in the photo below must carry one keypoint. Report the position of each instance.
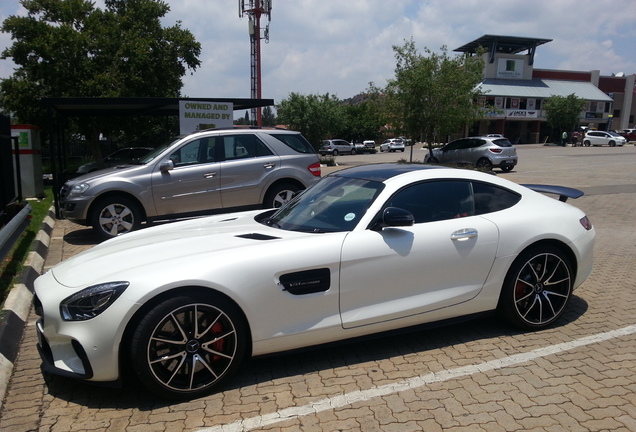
(254, 9)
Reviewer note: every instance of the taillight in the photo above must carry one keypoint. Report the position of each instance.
(495, 150)
(314, 169)
(586, 223)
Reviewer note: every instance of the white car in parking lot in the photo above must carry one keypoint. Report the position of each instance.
(392, 145)
(600, 138)
(366, 250)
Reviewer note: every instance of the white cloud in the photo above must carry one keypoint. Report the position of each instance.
(336, 47)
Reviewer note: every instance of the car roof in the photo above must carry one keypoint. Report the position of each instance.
(381, 172)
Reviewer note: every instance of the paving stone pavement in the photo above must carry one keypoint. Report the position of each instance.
(476, 376)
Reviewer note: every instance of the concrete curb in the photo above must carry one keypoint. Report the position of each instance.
(15, 310)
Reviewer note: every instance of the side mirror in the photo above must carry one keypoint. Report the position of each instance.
(166, 166)
(395, 217)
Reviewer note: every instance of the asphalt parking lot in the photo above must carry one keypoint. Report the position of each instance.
(476, 376)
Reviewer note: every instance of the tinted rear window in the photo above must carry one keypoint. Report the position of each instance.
(296, 142)
(502, 142)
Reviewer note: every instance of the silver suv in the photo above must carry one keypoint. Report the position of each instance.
(207, 172)
(337, 146)
(482, 152)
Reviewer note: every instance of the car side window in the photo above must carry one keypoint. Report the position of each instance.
(187, 154)
(244, 146)
(436, 200)
(195, 152)
(490, 198)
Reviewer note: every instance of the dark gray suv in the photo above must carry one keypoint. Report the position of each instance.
(207, 172)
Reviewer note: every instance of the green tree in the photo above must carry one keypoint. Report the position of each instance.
(361, 121)
(432, 95)
(563, 113)
(69, 48)
(268, 118)
(245, 120)
(316, 116)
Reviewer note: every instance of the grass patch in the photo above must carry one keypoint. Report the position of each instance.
(13, 264)
(328, 160)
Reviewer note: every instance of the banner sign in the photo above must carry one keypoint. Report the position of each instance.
(195, 116)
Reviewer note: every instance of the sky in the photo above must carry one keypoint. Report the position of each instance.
(340, 46)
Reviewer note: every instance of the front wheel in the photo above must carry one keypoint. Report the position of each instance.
(612, 144)
(586, 143)
(113, 216)
(185, 347)
(279, 195)
(537, 288)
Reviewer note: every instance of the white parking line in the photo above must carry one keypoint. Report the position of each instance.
(412, 383)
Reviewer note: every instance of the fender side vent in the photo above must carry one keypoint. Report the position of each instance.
(257, 236)
(307, 281)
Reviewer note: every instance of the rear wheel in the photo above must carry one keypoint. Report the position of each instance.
(185, 347)
(335, 153)
(113, 216)
(537, 288)
(507, 168)
(279, 195)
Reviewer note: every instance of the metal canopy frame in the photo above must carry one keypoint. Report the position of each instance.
(504, 44)
(62, 108)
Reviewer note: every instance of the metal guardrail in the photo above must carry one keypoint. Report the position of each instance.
(10, 233)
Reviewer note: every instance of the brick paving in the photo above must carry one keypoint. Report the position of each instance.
(573, 386)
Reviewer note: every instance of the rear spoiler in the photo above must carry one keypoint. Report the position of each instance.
(563, 192)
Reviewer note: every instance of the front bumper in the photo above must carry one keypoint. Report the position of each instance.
(86, 350)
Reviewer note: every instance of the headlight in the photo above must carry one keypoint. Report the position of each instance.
(91, 301)
(79, 188)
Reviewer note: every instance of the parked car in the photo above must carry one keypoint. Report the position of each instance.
(206, 172)
(600, 138)
(124, 156)
(335, 147)
(392, 145)
(628, 134)
(365, 147)
(368, 249)
(482, 152)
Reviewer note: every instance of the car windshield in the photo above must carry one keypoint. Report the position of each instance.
(334, 204)
(614, 134)
(149, 157)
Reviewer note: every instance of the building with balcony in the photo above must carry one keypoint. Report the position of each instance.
(514, 91)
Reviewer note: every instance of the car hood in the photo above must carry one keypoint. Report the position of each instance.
(114, 258)
(102, 173)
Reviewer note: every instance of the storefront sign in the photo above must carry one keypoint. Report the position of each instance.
(522, 113)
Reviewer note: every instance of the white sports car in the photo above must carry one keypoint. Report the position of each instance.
(366, 250)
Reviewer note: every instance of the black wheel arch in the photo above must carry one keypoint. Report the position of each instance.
(283, 181)
(569, 253)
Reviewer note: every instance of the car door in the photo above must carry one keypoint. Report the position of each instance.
(193, 184)
(449, 153)
(440, 261)
(249, 167)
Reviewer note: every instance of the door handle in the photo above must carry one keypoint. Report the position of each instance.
(464, 234)
(209, 175)
(269, 165)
